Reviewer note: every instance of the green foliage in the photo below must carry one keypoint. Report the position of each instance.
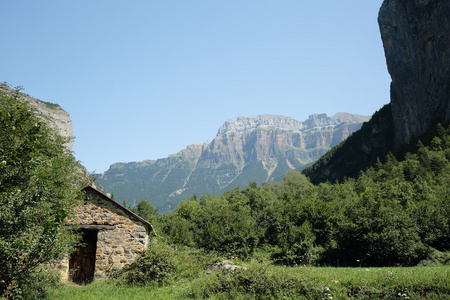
(51, 105)
(147, 211)
(259, 281)
(358, 152)
(40, 183)
(155, 267)
(436, 258)
(395, 213)
(262, 281)
(177, 229)
(297, 245)
(163, 264)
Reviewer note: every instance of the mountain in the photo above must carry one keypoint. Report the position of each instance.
(249, 149)
(58, 118)
(416, 42)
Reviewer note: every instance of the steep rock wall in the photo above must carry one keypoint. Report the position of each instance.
(416, 42)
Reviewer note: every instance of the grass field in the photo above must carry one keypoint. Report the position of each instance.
(262, 281)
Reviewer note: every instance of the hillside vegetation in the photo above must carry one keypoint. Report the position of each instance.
(395, 213)
(358, 152)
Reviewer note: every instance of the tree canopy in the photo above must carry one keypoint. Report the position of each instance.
(395, 213)
(40, 182)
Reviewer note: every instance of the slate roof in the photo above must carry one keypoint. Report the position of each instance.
(121, 207)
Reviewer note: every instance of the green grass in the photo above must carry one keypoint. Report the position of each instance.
(187, 279)
(110, 290)
(262, 281)
(379, 283)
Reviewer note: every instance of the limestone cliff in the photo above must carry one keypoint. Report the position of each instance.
(58, 118)
(416, 41)
(267, 136)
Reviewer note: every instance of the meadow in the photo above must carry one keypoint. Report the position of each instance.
(272, 282)
(180, 273)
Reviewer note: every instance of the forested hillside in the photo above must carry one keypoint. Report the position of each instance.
(361, 150)
(395, 213)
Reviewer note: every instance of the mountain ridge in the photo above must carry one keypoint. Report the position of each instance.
(250, 149)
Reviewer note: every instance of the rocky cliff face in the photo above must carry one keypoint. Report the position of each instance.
(266, 136)
(58, 118)
(314, 122)
(416, 40)
(248, 149)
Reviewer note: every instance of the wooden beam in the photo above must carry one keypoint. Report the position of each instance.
(92, 227)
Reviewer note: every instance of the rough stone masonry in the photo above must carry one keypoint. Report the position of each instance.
(121, 235)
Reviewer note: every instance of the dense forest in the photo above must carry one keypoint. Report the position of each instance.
(395, 213)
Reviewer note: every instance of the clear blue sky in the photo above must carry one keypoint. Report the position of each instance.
(143, 79)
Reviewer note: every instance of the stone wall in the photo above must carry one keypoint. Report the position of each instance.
(122, 237)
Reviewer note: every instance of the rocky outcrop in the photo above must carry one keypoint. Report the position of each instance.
(224, 265)
(55, 116)
(416, 42)
(267, 136)
(250, 149)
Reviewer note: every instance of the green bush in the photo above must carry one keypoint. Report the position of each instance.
(156, 266)
(259, 281)
(436, 258)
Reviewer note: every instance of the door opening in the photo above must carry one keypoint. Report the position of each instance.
(82, 261)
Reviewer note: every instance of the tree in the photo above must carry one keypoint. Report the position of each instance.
(146, 210)
(40, 182)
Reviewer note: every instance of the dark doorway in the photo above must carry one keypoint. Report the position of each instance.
(82, 261)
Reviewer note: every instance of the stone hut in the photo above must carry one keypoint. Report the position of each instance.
(113, 236)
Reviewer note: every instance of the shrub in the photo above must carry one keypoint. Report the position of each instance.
(436, 258)
(259, 281)
(155, 266)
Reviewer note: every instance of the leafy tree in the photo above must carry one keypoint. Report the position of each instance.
(146, 210)
(177, 229)
(297, 245)
(266, 211)
(40, 182)
(189, 210)
(395, 212)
